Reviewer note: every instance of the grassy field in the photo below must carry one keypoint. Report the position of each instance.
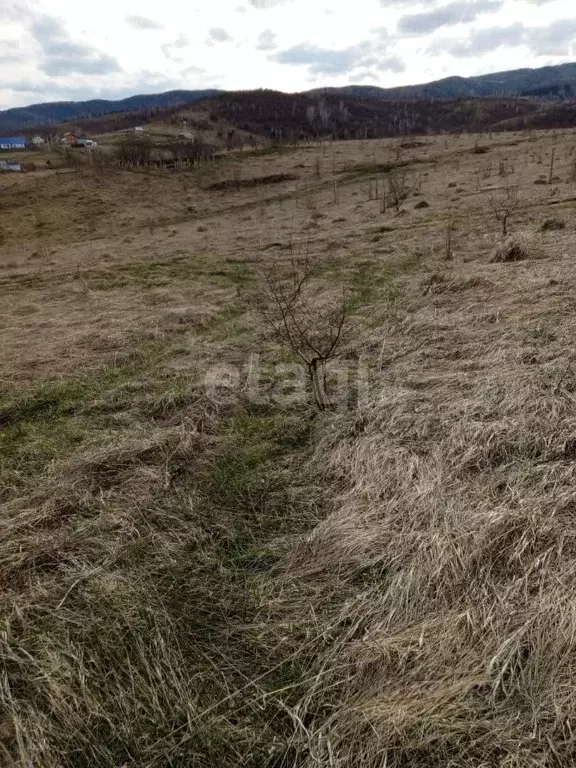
(199, 567)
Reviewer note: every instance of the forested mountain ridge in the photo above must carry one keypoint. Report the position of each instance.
(557, 83)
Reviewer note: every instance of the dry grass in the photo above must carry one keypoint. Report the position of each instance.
(512, 249)
(212, 578)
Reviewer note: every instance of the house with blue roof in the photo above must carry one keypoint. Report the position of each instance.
(12, 142)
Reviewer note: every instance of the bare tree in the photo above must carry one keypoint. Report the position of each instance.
(397, 188)
(504, 203)
(450, 228)
(551, 171)
(397, 147)
(306, 321)
(190, 150)
(134, 151)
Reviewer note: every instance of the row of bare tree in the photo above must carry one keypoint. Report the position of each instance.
(141, 152)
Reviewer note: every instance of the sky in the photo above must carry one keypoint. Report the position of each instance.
(65, 50)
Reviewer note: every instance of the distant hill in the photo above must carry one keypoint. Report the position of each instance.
(51, 113)
(266, 115)
(554, 82)
(293, 117)
(548, 115)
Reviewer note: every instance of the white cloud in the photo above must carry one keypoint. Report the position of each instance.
(174, 50)
(48, 49)
(266, 41)
(60, 54)
(264, 4)
(455, 12)
(218, 35)
(373, 54)
(142, 22)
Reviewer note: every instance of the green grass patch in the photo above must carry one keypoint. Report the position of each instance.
(51, 421)
(373, 169)
(161, 273)
(273, 149)
(55, 400)
(248, 477)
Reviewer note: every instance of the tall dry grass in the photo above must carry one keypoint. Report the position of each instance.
(446, 578)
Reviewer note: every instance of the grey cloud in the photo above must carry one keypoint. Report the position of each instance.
(361, 77)
(262, 4)
(143, 81)
(192, 70)
(150, 81)
(218, 35)
(12, 52)
(99, 64)
(457, 12)
(142, 22)
(181, 42)
(320, 60)
(14, 10)
(391, 64)
(63, 56)
(480, 41)
(325, 61)
(170, 49)
(405, 3)
(553, 40)
(22, 86)
(266, 41)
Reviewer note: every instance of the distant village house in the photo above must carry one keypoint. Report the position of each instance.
(71, 140)
(10, 165)
(12, 142)
(86, 143)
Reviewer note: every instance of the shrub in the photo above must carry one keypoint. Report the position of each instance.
(510, 250)
(552, 225)
(422, 204)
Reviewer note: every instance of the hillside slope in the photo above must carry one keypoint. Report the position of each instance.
(201, 570)
(50, 113)
(276, 116)
(291, 117)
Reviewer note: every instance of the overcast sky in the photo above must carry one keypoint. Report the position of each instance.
(63, 49)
